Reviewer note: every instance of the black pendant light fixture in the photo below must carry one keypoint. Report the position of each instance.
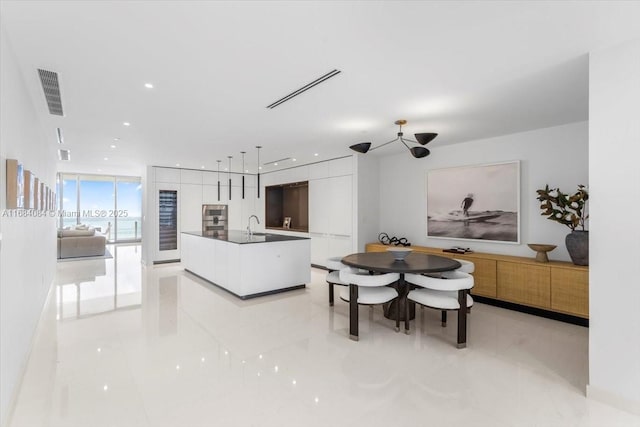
(417, 152)
(243, 153)
(229, 175)
(258, 176)
(218, 178)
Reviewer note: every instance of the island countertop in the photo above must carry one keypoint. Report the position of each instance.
(241, 237)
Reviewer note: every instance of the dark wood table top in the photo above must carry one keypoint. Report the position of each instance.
(414, 262)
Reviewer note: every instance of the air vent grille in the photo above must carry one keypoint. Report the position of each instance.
(304, 89)
(64, 154)
(277, 161)
(51, 88)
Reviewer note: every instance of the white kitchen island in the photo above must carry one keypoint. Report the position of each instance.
(248, 266)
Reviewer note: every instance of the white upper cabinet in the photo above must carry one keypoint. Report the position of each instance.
(188, 176)
(210, 178)
(341, 167)
(167, 175)
(319, 170)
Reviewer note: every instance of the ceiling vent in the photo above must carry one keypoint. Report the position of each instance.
(64, 154)
(275, 162)
(59, 135)
(51, 89)
(304, 88)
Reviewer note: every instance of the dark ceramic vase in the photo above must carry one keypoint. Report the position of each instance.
(578, 246)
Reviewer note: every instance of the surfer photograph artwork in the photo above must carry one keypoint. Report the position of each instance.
(479, 202)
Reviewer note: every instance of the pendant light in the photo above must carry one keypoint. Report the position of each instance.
(258, 147)
(218, 178)
(243, 153)
(229, 175)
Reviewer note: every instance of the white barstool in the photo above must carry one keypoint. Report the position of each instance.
(448, 292)
(334, 265)
(367, 289)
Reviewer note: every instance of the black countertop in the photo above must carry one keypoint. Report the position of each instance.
(241, 237)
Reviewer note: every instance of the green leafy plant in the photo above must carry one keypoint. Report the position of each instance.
(567, 209)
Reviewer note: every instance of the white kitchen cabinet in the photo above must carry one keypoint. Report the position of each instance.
(319, 205)
(325, 246)
(168, 175)
(331, 205)
(191, 207)
(340, 167)
(188, 176)
(340, 205)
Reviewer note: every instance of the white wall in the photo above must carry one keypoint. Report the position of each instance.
(368, 196)
(28, 246)
(557, 156)
(614, 286)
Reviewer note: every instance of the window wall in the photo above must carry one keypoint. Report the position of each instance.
(112, 204)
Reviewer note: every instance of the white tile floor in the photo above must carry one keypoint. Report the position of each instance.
(122, 345)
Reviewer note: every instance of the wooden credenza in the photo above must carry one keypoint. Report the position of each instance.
(556, 286)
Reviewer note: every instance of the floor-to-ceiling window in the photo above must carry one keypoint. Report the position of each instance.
(111, 203)
(129, 203)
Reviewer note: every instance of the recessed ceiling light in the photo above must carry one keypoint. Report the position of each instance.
(246, 170)
(260, 167)
(148, 85)
(116, 139)
(275, 164)
(113, 146)
(315, 154)
(226, 169)
(126, 123)
(106, 158)
(178, 164)
(201, 167)
(293, 160)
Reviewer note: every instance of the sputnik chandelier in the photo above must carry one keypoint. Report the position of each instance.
(417, 152)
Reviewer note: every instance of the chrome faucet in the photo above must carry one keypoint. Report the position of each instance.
(249, 232)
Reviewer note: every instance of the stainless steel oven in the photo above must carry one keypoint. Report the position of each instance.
(215, 218)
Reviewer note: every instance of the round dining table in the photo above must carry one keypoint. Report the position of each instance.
(384, 262)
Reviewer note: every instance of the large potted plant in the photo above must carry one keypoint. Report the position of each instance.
(569, 210)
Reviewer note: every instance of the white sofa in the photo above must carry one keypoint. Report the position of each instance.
(80, 243)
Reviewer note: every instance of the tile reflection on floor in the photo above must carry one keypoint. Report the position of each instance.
(124, 345)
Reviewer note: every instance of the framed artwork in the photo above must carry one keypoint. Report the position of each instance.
(43, 205)
(28, 189)
(287, 222)
(15, 180)
(480, 202)
(36, 194)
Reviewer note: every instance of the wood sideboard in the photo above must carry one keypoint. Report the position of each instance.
(556, 286)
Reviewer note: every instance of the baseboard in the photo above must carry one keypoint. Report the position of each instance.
(612, 399)
(567, 318)
(167, 261)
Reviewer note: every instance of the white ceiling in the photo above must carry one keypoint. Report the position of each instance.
(466, 70)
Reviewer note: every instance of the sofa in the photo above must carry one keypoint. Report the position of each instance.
(80, 242)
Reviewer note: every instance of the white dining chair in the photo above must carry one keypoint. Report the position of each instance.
(448, 292)
(367, 289)
(334, 265)
(466, 266)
